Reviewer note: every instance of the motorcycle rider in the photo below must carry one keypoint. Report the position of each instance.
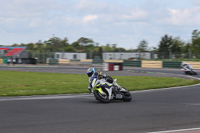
(92, 73)
(186, 66)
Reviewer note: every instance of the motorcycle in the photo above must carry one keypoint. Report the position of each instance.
(105, 92)
(189, 70)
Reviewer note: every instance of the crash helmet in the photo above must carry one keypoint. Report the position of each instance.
(183, 64)
(90, 72)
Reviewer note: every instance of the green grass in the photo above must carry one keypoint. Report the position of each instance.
(34, 83)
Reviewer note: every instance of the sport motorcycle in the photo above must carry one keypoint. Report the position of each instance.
(189, 70)
(105, 92)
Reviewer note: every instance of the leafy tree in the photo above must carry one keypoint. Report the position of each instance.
(69, 49)
(114, 48)
(131, 50)
(154, 49)
(16, 45)
(100, 52)
(187, 50)
(30, 46)
(177, 47)
(89, 50)
(164, 47)
(85, 41)
(196, 43)
(143, 46)
(75, 45)
(82, 43)
(107, 48)
(56, 44)
(120, 49)
(39, 45)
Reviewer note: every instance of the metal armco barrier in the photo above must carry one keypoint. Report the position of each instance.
(132, 63)
(97, 61)
(172, 64)
(53, 61)
(117, 65)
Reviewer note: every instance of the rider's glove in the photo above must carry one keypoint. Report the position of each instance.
(104, 75)
(100, 77)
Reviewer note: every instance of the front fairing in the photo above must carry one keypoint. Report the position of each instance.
(96, 85)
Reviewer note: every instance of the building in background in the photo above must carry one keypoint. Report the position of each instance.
(11, 52)
(128, 55)
(16, 55)
(70, 55)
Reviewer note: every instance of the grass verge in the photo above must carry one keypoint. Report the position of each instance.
(34, 83)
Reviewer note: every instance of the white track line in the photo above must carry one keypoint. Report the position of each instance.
(81, 95)
(162, 89)
(43, 97)
(179, 130)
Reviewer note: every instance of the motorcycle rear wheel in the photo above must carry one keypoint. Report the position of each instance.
(100, 97)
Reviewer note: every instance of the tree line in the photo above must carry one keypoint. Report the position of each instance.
(167, 45)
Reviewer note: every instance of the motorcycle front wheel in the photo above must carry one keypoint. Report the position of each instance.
(194, 73)
(127, 97)
(100, 97)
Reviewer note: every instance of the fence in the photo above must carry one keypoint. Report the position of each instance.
(178, 56)
(97, 58)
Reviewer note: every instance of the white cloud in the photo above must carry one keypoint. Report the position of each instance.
(27, 8)
(181, 17)
(89, 18)
(97, 19)
(134, 15)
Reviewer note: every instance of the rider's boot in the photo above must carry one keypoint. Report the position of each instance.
(119, 87)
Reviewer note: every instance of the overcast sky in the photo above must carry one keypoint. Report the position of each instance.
(124, 22)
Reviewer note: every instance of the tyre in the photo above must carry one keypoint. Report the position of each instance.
(194, 73)
(127, 97)
(100, 97)
(188, 73)
(185, 73)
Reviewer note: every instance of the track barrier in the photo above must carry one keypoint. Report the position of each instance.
(195, 65)
(116, 65)
(1, 61)
(152, 64)
(113, 66)
(172, 64)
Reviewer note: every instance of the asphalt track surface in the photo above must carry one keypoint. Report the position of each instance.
(150, 111)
